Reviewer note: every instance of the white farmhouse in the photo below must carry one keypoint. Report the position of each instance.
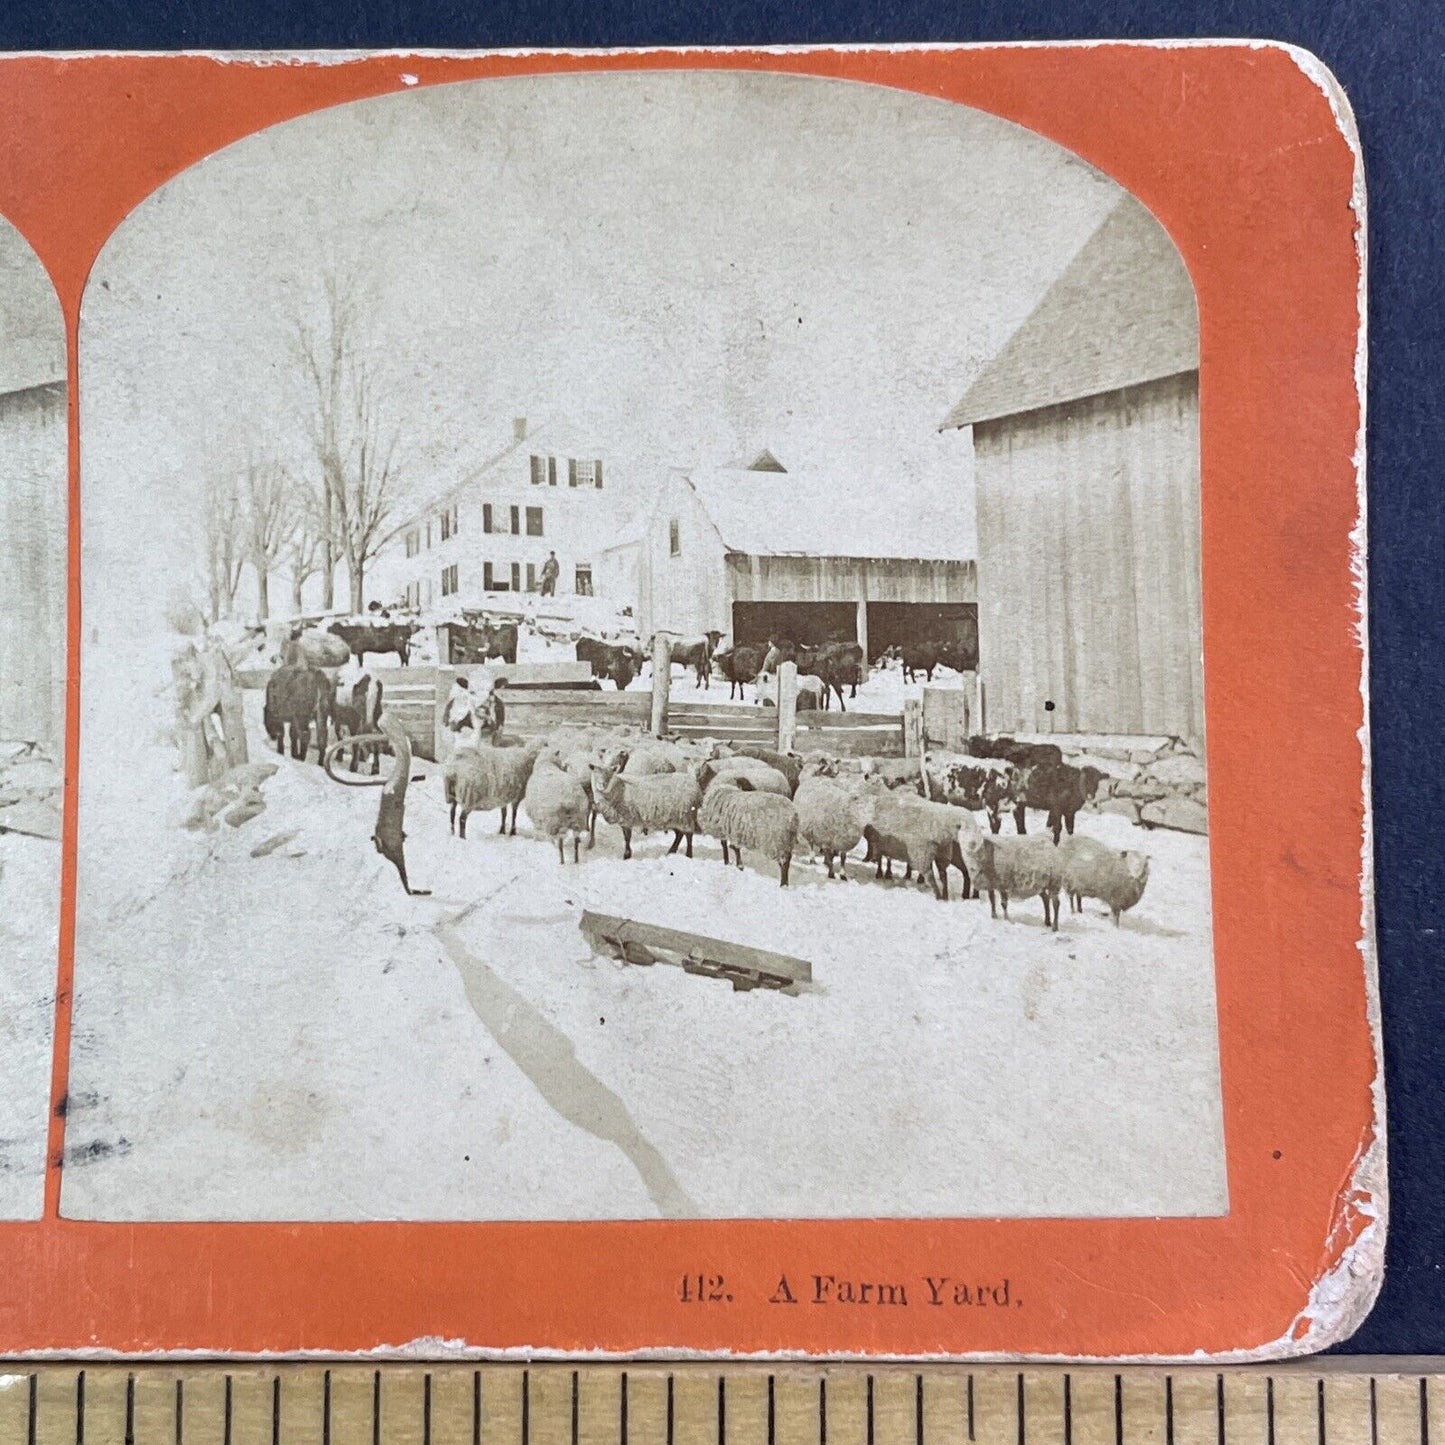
(492, 528)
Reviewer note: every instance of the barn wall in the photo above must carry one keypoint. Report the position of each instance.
(686, 594)
(1089, 564)
(32, 582)
(844, 579)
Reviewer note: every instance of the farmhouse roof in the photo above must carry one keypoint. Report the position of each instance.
(1122, 312)
(32, 330)
(769, 514)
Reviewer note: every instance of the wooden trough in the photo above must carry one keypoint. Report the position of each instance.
(646, 944)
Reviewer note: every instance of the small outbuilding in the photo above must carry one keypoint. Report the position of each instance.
(1085, 432)
(755, 552)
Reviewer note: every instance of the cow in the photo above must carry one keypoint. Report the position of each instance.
(364, 637)
(740, 665)
(693, 652)
(480, 642)
(613, 660)
(836, 665)
(1027, 758)
(299, 697)
(982, 785)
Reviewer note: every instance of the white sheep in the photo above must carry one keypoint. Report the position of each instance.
(1017, 867)
(652, 802)
(557, 804)
(735, 815)
(655, 758)
(763, 777)
(831, 819)
(482, 778)
(1091, 869)
(928, 837)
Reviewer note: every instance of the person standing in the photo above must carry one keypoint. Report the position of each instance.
(550, 568)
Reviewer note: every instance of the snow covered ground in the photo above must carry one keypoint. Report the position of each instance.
(29, 919)
(293, 1037)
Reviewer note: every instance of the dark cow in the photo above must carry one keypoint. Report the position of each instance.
(364, 637)
(483, 641)
(740, 665)
(298, 697)
(836, 665)
(694, 652)
(1060, 790)
(919, 657)
(614, 660)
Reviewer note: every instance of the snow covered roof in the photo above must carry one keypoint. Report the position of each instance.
(545, 439)
(772, 514)
(32, 329)
(1122, 312)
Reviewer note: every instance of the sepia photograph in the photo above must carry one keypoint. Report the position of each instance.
(642, 657)
(32, 708)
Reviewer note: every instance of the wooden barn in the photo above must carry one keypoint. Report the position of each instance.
(32, 497)
(1086, 462)
(755, 551)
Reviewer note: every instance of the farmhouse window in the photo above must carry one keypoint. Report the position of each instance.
(516, 576)
(551, 471)
(490, 581)
(674, 538)
(571, 471)
(539, 470)
(486, 517)
(516, 521)
(531, 576)
(449, 523)
(597, 474)
(449, 580)
(584, 582)
(534, 521)
(413, 542)
(428, 534)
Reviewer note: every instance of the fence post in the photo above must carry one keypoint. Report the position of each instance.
(913, 727)
(661, 683)
(787, 706)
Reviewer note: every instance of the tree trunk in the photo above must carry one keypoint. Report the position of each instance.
(263, 592)
(328, 571)
(297, 583)
(358, 588)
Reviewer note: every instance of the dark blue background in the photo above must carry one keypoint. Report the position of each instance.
(1390, 56)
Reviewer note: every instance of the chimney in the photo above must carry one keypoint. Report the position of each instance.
(519, 428)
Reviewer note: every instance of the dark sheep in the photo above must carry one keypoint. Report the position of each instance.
(740, 665)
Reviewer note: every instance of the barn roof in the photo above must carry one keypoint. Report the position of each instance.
(32, 329)
(1122, 312)
(788, 514)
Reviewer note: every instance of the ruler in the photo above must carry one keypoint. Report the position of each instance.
(1382, 1402)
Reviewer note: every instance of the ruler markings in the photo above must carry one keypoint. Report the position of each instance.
(669, 1411)
(1020, 1408)
(822, 1410)
(426, 1408)
(1068, 1411)
(621, 1411)
(918, 1411)
(1374, 1414)
(971, 1435)
(869, 1436)
(477, 1408)
(226, 1420)
(1424, 1413)
(326, 1408)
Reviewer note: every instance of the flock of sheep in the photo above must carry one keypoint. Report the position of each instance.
(752, 799)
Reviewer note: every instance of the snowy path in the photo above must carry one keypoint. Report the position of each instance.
(293, 1037)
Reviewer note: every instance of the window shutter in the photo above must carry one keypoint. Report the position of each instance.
(516, 521)
(551, 471)
(516, 576)
(597, 474)
(571, 471)
(486, 516)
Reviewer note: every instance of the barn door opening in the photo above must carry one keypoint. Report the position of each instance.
(805, 623)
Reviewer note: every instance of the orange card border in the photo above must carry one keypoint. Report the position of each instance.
(1245, 154)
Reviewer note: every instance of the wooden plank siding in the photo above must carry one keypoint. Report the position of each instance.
(849, 579)
(1089, 564)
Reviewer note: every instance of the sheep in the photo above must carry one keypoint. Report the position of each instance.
(762, 777)
(659, 801)
(482, 778)
(578, 754)
(1091, 869)
(788, 764)
(557, 804)
(895, 773)
(926, 836)
(831, 819)
(654, 758)
(734, 814)
(1017, 867)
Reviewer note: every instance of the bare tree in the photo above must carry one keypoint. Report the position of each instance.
(356, 451)
(266, 499)
(224, 541)
(303, 542)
